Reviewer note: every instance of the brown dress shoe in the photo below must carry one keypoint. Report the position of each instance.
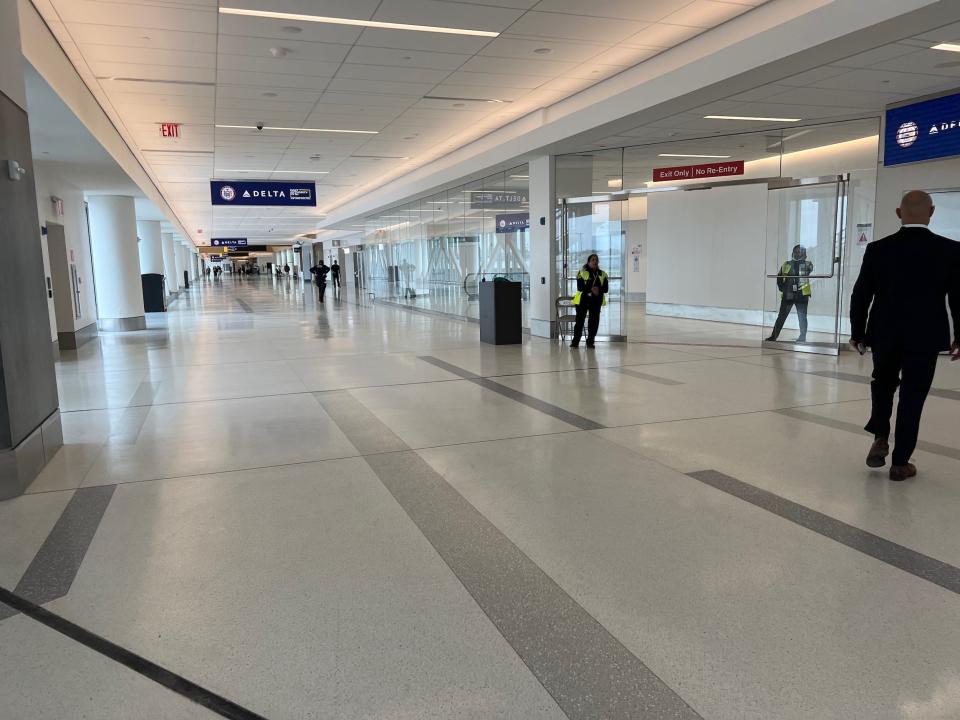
(902, 472)
(877, 457)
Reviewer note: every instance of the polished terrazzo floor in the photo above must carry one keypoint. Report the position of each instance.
(354, 511)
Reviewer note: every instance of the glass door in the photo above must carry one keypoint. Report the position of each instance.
(595, 225)
(806, 232)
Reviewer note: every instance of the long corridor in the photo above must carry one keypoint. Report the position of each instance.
(354, 511)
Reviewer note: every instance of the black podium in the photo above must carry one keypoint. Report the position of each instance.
(154, 292)
(501, 321)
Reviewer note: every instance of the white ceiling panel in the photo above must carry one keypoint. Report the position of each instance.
(150, 56)
(575, 27)
(478, 79)
(521, 47)
(706, 13)
(662, 35)
(279, 30)
(358, 9)
(886, 83)
(137, 15)
(188, 41)
(381, 87)
(528, 66)
(401, 74)
(286, 66)
(929, 62)
(153, 72)
(270, 80)
(467, 16)
(642, 10)
(297, 50)
(406, 58)
(429, 42)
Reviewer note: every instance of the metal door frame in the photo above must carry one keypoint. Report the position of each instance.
(842, 181)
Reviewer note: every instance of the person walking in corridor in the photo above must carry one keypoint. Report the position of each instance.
(592, 288)
(898, 309)
(335, 274)
(319, 273)
(794, 285)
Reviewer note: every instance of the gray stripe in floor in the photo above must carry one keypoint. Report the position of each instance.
(242, 304)
(52, 571)
(145, 393)
(578, 421)
(645, 376)
(923, 566)
(866, 380)
(129, 425)
(929, 447)
(589, 673)
(361, 426)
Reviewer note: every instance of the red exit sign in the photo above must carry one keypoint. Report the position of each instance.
(170, 130)
(699, 172)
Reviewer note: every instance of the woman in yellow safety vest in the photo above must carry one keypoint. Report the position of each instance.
(794, 284)
(592, 288)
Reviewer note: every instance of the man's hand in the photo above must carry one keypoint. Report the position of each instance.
(595, 290)
(855, 345)
(955, 352)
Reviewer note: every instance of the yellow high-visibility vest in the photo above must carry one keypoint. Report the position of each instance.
(585, 276)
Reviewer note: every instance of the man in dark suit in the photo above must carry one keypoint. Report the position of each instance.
(898, 309)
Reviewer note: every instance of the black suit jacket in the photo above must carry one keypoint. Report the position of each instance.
(898, 301)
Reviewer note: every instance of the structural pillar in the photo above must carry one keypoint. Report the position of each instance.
(151, 247)
(116, 262)
(30, 431)
(169, 264)
(178, 262)
(544, 283)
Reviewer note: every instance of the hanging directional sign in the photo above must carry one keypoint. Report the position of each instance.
(263, 192)
(228, 242)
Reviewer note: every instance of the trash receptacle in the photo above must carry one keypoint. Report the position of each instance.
(501, 320)
(154, 292)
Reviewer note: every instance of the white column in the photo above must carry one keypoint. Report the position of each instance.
(544, 284)
(170, 263)
(151, 247)
(178, 261)
(116, 262)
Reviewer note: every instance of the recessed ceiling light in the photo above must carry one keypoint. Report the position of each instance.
(543, 51)
(356, 23)
(291, 129)
(520, 177)
(949, 47)
(279, 52)
(748, 117)
(691, 155)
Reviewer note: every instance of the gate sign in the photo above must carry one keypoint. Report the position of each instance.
(513, 223)
(699, 172)
(228, 242)
(263, 192)
(922, 131)
(495, 199)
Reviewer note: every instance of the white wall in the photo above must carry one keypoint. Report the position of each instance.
(707, 248)
(635, 249)
(893, 182)
(74, 223)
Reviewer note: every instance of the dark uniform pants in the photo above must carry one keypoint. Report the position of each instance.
(913, 373)
(785, 307)
(336, 280)
(321, 289)
(592, 304)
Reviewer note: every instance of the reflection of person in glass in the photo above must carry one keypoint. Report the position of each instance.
(794, 284)
(592, 288)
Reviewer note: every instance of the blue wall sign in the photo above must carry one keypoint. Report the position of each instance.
(228, 242)
(922, 131)
(265, 192)
(513, 223)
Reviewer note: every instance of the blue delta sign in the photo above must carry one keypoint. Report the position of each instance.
(512, 222)
(925, 130)
(263, 192)
(228, 242)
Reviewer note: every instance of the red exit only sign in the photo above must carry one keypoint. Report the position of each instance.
(170, 130)
(695, 172)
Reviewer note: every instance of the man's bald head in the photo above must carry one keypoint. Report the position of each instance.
(916, 208)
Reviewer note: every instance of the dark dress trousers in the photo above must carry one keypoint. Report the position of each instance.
(899, 309)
